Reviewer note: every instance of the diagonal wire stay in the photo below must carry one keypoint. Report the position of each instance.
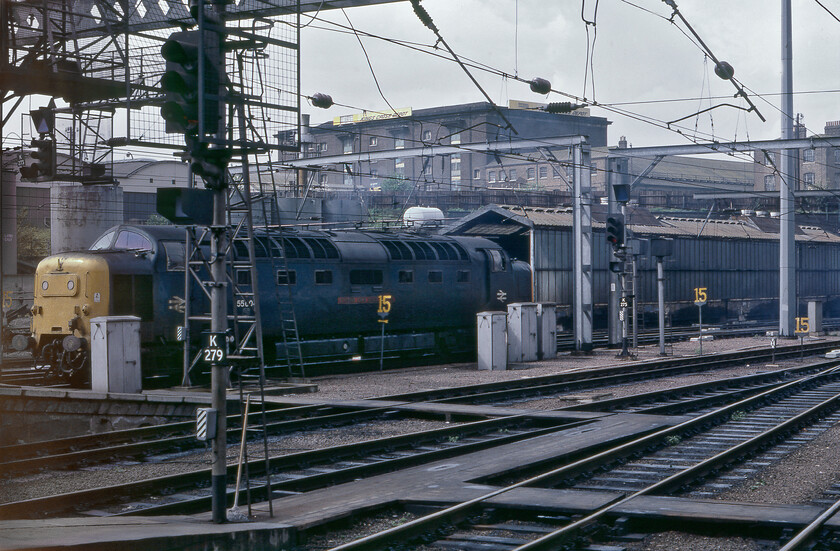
(724, 70)
(426, 19)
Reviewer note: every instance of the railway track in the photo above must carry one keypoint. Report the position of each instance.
(728, 422)
(696, 454)
(138, 443)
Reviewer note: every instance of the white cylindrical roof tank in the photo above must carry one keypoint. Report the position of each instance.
(419, 216)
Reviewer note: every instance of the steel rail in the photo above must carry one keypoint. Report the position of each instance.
(805, 535)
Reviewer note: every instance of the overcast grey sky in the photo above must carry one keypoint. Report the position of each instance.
(638, 56)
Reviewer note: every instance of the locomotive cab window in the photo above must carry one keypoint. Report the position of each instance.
(103, 242)
(323, 277)
(406, 276)
(132, 240)
(365, 277)
(175, 256)
(435, 276)
(286, 277)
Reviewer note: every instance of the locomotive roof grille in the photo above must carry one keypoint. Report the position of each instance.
(422, 250)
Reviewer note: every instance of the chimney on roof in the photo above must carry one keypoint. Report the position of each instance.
(832, 128)
(622, 143)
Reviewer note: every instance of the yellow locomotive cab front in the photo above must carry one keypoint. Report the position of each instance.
(69, 291)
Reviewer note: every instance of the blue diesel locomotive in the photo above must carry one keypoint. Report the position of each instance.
(432, 287)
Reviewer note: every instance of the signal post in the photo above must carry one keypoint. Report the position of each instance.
(194, 84)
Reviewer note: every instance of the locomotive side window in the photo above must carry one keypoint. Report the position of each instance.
(406, 276)
(463, 276)
(435, 276)
(286, 277)
(365, 277)
(323, 277)
(132, 240)
(243, 277)
(103, 242)
(175, 260)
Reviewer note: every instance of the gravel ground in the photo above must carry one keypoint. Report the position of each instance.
(398, 381)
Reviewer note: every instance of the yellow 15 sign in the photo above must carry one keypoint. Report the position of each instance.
(384, 308)
(802, 325)
(700, 296)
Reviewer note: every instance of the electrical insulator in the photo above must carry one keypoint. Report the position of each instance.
(724, 70)
(562, 107)
(540, 86)
(323, 101)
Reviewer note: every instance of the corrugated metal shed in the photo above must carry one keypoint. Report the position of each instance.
(736, 260)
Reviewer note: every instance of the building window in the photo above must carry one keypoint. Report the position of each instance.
(530, 173)
(322, 179)
(455, 138)
(374, 174)
(372, 141)
(770, 182)
(455, 167)
(476, 174)
(808, 156)
(809, 179)
(347, 146)
(543, 172)
(427, 167)
(491, 175)
(173, 181)
(512, 174)
(348, 180)
(399, 143)
(427, 135)
(837, 156)
(322, 146)
(555, 171)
